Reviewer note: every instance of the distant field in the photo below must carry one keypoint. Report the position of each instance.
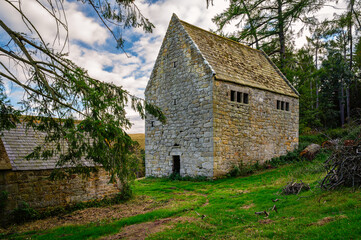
(140, 138)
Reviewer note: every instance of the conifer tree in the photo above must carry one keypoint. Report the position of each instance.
(268, 23)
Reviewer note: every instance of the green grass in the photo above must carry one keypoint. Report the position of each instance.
(314, 214)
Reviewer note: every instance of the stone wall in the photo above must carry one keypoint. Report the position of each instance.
(34, 188)
(181, 85)
(251, 132)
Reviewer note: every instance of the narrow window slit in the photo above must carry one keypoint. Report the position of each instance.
(245, 98)
(233, 95)
(239, 97)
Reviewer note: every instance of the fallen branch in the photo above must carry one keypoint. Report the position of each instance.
(262, 213)
(295, 188)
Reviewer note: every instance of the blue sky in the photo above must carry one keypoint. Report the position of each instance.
(92, 47)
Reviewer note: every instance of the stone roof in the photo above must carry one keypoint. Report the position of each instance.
(18, 143)
(234, 62)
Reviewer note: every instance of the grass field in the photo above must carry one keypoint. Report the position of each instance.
(225, 209)
(140, 138)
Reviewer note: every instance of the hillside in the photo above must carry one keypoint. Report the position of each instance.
(140, 138)
(220, 209)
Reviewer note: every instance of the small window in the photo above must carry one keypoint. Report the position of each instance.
(152, 123)
(233, 95)
(175, 101)
(175, 64)
(281, 105)
(239, 97)
(245, 98)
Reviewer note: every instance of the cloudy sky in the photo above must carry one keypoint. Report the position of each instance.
(92, 47)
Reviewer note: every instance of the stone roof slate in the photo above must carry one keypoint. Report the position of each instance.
(20, 142)
(238, 63)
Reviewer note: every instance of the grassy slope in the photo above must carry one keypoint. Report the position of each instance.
(314, 214)
(140, 138)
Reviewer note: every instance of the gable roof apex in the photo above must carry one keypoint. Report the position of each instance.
(174, 16)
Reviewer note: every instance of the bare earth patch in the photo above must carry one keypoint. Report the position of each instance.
(143, 230)
(206, 203)
(247, 206)
(134, 207)
(243, 191)
(265, 221)
(326, 220)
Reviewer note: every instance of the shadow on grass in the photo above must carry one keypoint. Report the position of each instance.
(96, 230)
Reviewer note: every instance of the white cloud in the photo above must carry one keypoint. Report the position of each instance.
(81, 27)
(131, 73)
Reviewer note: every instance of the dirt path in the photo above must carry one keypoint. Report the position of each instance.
(143, 230)
(134, 207)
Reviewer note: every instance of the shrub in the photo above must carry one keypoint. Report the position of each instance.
(314, 138)
(236, 171)
(245, 169)
(293, 156)
(329, 134)
(3, 200)
(178, 177)
(354, 133)
(337, 132)
(24, 213)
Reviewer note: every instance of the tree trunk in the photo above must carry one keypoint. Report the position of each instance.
(253, 30)
(350, 31)
(311, 93)
(316, 70)
(281, 34)
(342, 105)
(310, 151)
(345, 40)
(350, 81)
(348, 104)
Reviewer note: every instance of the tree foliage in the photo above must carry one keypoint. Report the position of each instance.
(57, 92)
(268, 24)
(326, 70)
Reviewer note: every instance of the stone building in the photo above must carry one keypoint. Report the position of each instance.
(226, 104)
(28, 180)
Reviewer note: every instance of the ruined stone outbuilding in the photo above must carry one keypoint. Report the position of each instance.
(226, 104)
(28, 180)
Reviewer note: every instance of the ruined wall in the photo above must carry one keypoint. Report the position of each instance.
(251, 132)
(181, 85)
(34, 188)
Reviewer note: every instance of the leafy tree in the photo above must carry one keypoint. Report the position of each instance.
(57, 92)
